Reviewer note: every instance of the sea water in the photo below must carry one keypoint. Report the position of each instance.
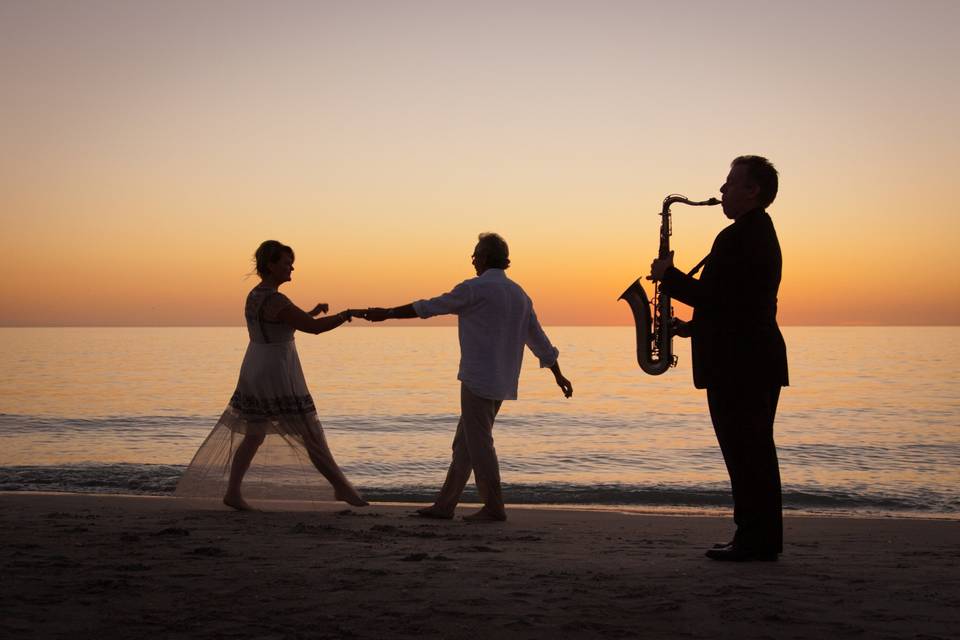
(869, 423)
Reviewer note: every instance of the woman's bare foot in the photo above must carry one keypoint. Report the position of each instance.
(486, 515)
(238, 503)
(351, 497)
(435, 513)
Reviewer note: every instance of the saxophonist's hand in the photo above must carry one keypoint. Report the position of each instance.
(680, 328)
(659, 267)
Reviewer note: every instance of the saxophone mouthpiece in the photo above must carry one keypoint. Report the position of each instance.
(712, 201)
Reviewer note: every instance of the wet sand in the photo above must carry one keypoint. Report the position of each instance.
(83, 566)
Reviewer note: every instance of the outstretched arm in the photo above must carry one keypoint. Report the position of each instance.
(379, 314)
(300, 320)
(453, 302)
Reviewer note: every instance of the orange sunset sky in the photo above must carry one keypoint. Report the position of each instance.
(148, 147)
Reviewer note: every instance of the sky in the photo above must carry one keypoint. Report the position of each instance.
(149, 147)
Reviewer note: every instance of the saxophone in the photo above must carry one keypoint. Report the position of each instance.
(654, 339)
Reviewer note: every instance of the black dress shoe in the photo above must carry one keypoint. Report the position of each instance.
(723, 545)
(734, 553)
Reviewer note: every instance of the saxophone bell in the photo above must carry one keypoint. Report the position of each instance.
(651, 359)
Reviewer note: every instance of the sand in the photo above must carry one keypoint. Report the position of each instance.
(82, 566)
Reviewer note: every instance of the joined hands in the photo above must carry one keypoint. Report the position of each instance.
(372, 314)
(347, 314)
(375, 314)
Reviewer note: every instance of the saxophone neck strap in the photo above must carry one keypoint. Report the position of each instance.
(699, 266)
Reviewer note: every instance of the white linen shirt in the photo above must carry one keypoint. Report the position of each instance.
(495, 319)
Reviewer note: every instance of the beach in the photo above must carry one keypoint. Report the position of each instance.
(104, 566)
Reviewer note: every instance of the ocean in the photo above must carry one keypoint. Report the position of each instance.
(869, 424)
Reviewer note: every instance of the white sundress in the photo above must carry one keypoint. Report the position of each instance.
(271, 399)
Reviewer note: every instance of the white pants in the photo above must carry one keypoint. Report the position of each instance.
(473, 451)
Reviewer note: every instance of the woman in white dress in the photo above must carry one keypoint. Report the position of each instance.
(271, 415)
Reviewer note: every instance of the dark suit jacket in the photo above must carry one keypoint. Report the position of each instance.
(735, 337)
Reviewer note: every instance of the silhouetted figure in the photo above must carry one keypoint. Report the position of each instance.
(739, 355)
(271, 400)
(495, 320)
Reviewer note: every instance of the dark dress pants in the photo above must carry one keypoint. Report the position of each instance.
(743, 421)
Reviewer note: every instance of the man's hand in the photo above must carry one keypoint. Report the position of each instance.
(680, 328)
(659, 267)
(375, 314)
(323, 307)
(565, 386)
(353, 313)
(562, 382)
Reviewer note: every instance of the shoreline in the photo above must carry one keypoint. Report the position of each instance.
(87, 565)
(625, 509)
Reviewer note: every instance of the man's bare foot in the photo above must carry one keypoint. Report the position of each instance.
(434, 513)
(238, 503)
(486, 515)
(351, 497)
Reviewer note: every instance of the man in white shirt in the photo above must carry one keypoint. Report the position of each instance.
(495, 319)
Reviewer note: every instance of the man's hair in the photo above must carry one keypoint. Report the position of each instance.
(494, 248)
(763, 173)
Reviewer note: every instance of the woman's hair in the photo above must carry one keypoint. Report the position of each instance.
(495, 249)
(267, 253)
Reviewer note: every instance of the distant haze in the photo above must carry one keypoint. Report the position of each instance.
(149, 147)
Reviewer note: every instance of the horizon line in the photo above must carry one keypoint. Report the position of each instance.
(407, 325)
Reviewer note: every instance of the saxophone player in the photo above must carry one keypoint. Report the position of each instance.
(738, 352)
